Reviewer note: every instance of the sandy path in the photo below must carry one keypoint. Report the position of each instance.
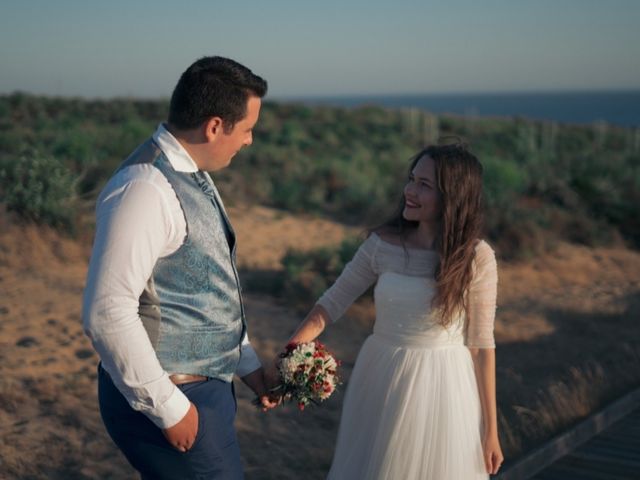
(49, 423)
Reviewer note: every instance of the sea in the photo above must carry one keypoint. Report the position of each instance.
(621, 108)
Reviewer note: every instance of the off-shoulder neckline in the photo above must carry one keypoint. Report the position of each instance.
(479, 244)
(400, 247)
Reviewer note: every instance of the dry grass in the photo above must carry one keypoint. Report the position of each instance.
(563, 403)
(568, 340)
(566, 329)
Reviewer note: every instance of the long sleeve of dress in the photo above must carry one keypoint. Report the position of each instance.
(482, 299)
(358, 275)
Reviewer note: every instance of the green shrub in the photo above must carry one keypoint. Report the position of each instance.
(38, 188)
(542, 179)
(504, 181)
(308, 274)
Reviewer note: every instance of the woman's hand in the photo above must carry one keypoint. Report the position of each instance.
(257, 382)
(271, 375)
(493, 457)
(272, 381)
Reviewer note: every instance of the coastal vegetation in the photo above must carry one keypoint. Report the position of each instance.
(544, 181)
(561, 211)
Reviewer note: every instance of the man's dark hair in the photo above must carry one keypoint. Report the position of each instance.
(213, 87)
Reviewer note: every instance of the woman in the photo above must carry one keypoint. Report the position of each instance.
(421, 399)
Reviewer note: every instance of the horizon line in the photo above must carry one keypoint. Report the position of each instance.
(558, 91)
(326, 96)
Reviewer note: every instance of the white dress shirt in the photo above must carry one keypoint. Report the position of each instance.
(139, 219)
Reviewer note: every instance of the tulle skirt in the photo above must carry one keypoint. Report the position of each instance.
(411, 411)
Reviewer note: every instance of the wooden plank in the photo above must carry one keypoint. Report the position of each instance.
(550, 474)
(579, 472)
(542, 457)
(598, 468)
(629, 453)
(621, 436)
(617, 464)
(616, 436)
(607, 456)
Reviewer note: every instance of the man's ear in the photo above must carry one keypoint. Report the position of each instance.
(213, 128)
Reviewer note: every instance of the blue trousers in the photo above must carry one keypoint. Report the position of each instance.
(215, 453)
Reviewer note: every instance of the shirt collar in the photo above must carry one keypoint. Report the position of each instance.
(178, 157)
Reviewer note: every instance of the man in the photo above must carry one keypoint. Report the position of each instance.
(162, 304)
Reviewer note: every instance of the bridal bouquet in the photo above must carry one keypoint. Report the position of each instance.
(308, 373)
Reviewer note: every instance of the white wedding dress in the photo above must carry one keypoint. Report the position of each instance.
(412, 408)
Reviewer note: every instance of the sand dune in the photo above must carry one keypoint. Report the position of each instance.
(49, 422)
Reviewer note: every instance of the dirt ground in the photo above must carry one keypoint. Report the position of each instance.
(558, 315)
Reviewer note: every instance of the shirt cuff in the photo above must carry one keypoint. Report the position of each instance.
(249, 361)
(171, 411)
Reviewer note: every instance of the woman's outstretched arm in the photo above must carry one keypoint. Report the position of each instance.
(312, 326)
(358, 275)
(484, 362)
(481, 316)
(308, 330)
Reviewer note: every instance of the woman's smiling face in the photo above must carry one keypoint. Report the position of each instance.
(422, 197)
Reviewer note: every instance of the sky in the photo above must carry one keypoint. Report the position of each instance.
(119, 48)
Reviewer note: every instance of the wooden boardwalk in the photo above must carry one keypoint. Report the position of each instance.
(614, 454)
(605, 446)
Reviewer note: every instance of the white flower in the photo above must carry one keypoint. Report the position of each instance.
(306, 378)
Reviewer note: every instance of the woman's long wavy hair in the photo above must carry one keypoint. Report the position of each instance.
(459, 180)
